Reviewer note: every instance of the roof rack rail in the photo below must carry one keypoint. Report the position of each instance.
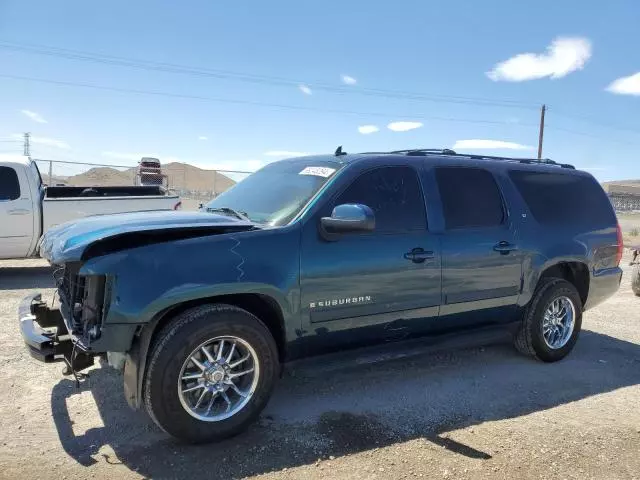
(530, 161)
(449, 152)
(425, 151)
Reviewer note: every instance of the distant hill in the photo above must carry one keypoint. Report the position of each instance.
(102, 177)
(183, 176)
(180, 176)
(622, 186)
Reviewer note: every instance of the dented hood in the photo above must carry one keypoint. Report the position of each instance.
(69, 241)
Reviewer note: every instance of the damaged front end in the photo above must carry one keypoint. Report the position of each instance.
(84, 302)
(67, 333)
(114, 274)
(47, 335)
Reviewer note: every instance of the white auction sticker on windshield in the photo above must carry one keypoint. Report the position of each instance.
(318, 171)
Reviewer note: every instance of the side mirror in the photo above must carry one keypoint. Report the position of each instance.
(349, 218)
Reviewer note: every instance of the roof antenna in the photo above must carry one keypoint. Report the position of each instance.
(339, 152)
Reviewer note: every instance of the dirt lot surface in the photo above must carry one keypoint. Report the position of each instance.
(482, 412)
(630, 224)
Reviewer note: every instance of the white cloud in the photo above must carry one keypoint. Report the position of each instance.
(626, 85)
(403, 126)
(304, 89)
(285, 153)
(36, 117)
(563, 56)
(491, 144)
(348, 80)
(367, 129)
(202, 137)
(128, 156)
(47, 141)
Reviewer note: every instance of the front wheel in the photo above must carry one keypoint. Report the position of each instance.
(211, 372)
(552, 321)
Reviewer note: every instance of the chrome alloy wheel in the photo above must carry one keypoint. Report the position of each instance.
(218, 378)
(558, 322)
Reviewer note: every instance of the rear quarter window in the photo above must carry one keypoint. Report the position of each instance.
(564, 199)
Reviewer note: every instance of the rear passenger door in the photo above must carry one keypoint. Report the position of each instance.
(481, 264)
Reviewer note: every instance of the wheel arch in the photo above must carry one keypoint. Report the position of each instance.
(574, 272)
(264, 307)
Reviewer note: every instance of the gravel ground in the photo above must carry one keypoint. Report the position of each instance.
(481, 412)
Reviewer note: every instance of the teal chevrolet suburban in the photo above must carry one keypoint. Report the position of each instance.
(319, 254)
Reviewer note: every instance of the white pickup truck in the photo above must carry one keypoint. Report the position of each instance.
(28, 208)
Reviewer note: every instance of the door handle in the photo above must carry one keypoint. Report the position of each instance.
(419, 255)
(504, 247)
(19, 211)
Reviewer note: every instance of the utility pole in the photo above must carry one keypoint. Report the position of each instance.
(541, 135)
(27, 146)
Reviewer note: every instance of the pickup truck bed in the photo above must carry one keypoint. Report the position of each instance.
(28, 208)
(59, 210)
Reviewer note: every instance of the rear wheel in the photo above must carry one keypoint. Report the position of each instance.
(552, 321)
(211, 372)
(635, 279)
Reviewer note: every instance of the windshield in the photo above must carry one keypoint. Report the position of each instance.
(275, 194)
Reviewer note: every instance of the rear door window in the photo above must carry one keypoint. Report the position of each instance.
(562, 198)
(470, 198)
(9, 184)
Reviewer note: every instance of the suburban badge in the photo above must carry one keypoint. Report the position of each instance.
(336, 302)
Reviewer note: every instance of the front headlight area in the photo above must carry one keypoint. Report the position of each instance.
(91, 305)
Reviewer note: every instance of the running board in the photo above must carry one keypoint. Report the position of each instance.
(429, 345)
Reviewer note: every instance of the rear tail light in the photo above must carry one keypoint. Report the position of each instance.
(178, 206)
(620, 246)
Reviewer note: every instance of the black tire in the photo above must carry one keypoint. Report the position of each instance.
(178, 340)
(635, 279)
(529, 339)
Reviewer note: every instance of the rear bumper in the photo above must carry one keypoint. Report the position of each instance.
(46, 336)
(602, 286)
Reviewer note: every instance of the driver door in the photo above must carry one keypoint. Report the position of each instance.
(372, 287)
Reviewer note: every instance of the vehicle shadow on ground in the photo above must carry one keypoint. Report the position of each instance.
(354, 409)
(16, 278)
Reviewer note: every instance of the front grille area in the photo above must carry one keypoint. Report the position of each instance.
(81, 300)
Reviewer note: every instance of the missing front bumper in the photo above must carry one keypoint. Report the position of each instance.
(47, 337)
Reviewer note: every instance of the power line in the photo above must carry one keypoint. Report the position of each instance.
(593, 121)
(280, 81)
(589, 135)
(256, 79)
(259, 104)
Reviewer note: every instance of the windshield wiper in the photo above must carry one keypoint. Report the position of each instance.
(230, 211)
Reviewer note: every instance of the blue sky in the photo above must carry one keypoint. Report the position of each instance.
(424, 74)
